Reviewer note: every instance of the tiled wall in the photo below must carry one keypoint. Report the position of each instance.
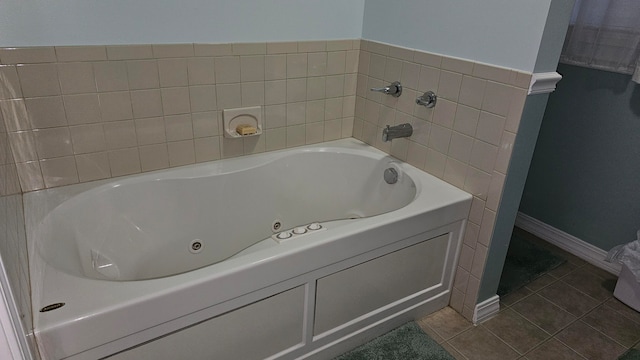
(466, 139)
(78, 114)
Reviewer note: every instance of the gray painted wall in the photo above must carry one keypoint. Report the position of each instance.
(585, 174)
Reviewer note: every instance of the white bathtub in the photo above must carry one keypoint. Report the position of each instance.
(191, 252)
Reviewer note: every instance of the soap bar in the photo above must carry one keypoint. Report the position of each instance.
(246, 130)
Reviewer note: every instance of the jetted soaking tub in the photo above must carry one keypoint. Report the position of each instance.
(299, 253)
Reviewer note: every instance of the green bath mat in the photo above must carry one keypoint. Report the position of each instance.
(632, 354)
(524, 263)
(403, 343)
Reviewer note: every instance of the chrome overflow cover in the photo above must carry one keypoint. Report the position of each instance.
(391, 176)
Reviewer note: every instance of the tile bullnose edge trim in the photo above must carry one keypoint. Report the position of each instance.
(543, 83)
(486, 310)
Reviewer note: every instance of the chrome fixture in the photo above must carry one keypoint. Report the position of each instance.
(427, 99)
(391, 176)
(393, 132)
(394, 89)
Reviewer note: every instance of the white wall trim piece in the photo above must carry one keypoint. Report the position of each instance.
(543, 83)
(567, 242)
(486, 309)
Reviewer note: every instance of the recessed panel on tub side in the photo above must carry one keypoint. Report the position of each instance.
(256, 331)
(356, 291)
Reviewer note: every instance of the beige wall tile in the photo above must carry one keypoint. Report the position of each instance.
(466, 120)
(410, 75)
(296, 65)
(276, 139)
(477, 183)
(129, 52)
(120, 134)
(82, 109)
(472, 91)
(207, 148)
(316, 88)
(336, 63)
(46, 112)
(312, 46)
(335, 86)
(401, 53)
(201, 71)
(227, 69)
(435, 163)
(252, 68)
(429, 79)
(333, 108)
(471, 234)
(416, 154)
(76, 78)
(282, 47)
(212, 49)
(337, 45)
(439, 138)
(178, 127)
(228, 96)
(392, 70)
(124, 161)
(231, 147)
(146, 103)
(28, 55)
(364, 62)
(173, 50)
(445, 113)
(315, 111)
(352, 61)
(490, 128)
(491, 72)
(449, 85)
(93, 166)
(23, 146)
(378, 48)
(477, 210)
(455, 172)
(296, 90)
(150, 130)
(143, 74)
(87, 138)
(252, 93)
(39, 80)
(460, 147)
(181, 153)
(275, 116)
(249, 48)
(332, 130)
(483, 156)
(317, 64)
(30, 176)
(495, 191)
(115, 106)
(516, 106)
(296, 113)
(111, 76)
(377, 66)
(504, 152)
(479, 259)
(154, 157)
(173, 72)
(295, 135)
(176, 101)
(203, 98)
(275, 67)
(314, 132)
(486, 228)
(460, 66)
(206, 124)
(427, 59)
(497, 98)
(53, 142)
(9, 83)
(80, 53)
(14, 113)
(275, 92)
(59, 171)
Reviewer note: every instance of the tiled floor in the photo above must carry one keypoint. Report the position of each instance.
(568, 313)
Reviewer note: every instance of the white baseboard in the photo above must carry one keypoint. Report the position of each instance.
(486, 309)
(567, 242)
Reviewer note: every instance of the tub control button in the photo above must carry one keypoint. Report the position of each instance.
(284, 235)
(299, 230)
(314, 226)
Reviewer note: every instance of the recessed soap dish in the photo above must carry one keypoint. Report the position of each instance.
(242, 119)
